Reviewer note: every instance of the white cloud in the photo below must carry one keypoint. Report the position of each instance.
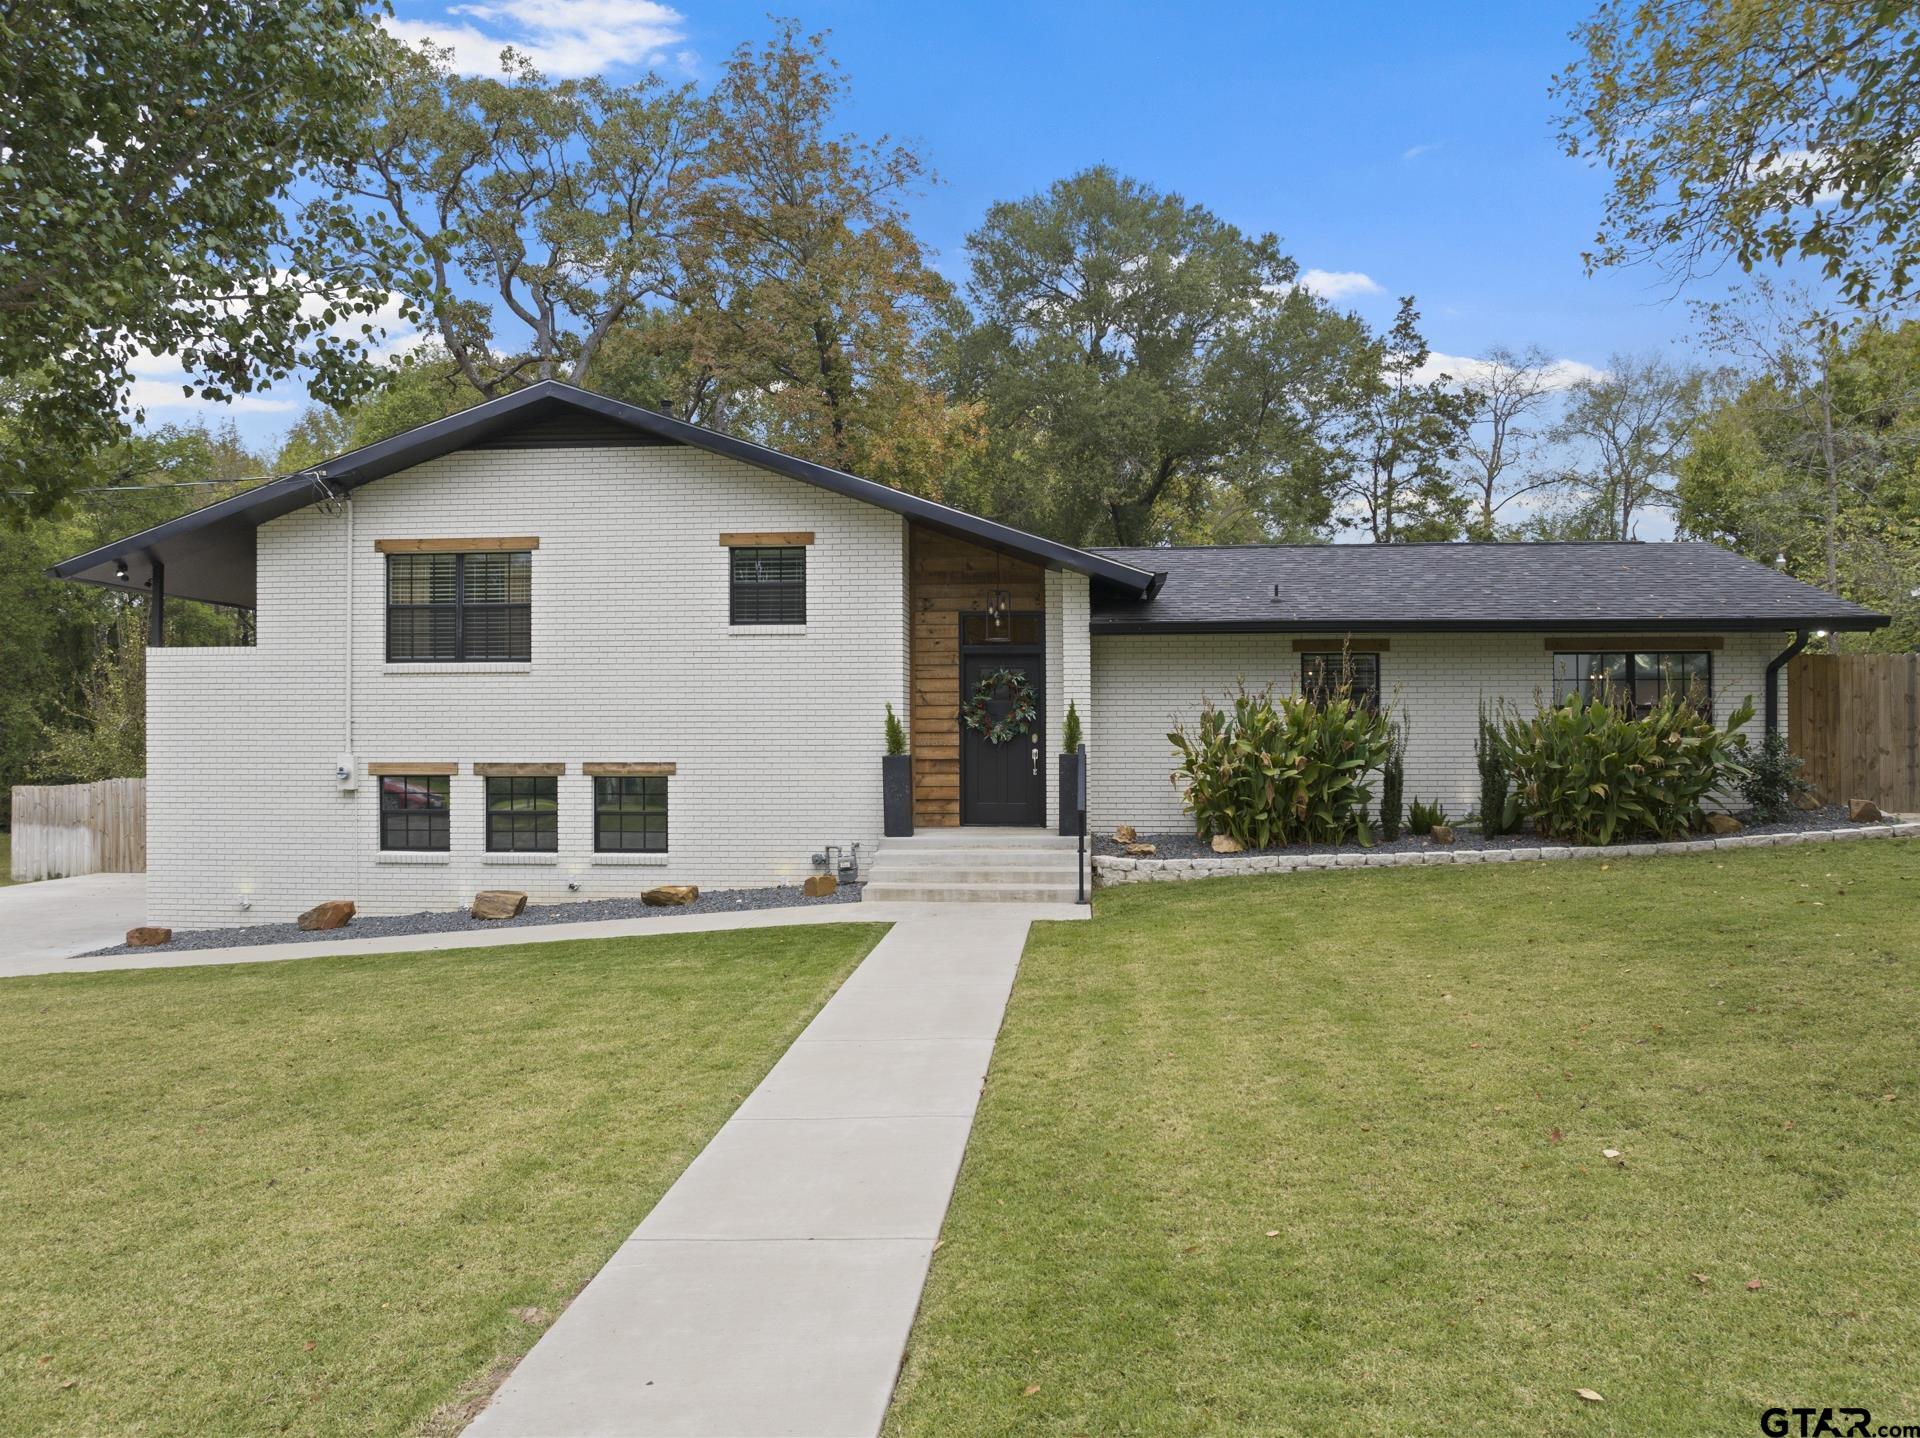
(1339, 284)
(1561, 374)
(562, 38)
(1414, 152)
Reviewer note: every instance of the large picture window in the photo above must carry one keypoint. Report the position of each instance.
(630, 814)
(768, 584)
(523, 815)
(459, 607)
(1322, 675)
(413, 811)
(1637, 680)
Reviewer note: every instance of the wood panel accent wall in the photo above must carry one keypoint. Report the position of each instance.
(948, 577)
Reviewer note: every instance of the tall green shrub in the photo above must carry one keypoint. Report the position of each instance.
(1070, 730)
(896, 733)
(1496, 777)
(1773, 780)
(1592, 774)
(1266, 771)
(1393, 779)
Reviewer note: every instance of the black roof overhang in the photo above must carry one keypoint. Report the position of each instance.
(1536, 625)
(209, 554)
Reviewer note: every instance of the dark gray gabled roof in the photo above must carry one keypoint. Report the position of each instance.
(1334, 588)
(209, 554)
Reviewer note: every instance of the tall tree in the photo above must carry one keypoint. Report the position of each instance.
(1501, 455)
(1405, 434)
(1628, 431)
(555, 209)
(147, 158)
(1141, 363)
(1756, 131)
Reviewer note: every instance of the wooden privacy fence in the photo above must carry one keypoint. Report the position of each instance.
(1855, 720)
(64, 829)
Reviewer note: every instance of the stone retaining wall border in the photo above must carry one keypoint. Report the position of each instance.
(1112, 869)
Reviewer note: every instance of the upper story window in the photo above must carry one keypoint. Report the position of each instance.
(1637, 680)
(459, 607)
(1323, 675)
(768, 584)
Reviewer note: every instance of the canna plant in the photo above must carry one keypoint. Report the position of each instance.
(1594, 774)
(1266, 772)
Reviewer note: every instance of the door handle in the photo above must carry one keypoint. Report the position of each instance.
(1036, 760)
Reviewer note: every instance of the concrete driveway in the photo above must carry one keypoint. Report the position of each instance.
(58, 918)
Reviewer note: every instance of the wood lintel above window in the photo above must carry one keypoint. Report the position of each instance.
(513, 544)
(410, 767)
(757, 538)
(603, 770)
(1372, 645)
(1632, 643)
(519, 771)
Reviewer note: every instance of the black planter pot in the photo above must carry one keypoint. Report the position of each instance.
(1069, 794)
(896, 791)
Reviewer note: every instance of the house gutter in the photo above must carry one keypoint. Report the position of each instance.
(1800, 638)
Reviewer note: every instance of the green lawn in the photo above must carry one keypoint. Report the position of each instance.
(1409, 1078)
(341, 1195)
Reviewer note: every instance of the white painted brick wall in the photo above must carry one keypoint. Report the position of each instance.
(1069, 669)
(1142, 683)
(777, 732)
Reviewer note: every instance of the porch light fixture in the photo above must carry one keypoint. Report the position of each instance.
(998, 603)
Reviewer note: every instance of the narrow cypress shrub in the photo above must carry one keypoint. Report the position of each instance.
(1393, 779)
(896, 733)
(1070, 731)
(1496, 777)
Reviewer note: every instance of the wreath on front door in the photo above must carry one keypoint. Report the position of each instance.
(1017, 721)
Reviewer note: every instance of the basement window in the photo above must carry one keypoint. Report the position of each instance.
(413, 811)
(630, 814)
(523, 815)
(458, 608)
(768, 584)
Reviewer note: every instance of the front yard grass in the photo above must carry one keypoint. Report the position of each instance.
(342, 1195)
(1327, 1153)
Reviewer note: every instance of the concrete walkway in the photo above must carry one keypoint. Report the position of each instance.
(771, 1289)
(69, 921)
(44, 922)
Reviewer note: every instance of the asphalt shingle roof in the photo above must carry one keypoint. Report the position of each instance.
(1591, 587)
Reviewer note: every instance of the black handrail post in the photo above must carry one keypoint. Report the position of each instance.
(1080, 816)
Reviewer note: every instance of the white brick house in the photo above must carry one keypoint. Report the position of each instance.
(564, 645)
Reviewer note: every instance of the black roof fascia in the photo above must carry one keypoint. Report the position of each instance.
(443, 436)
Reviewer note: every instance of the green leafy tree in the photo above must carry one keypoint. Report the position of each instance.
(148, 154)
(1756, 131)
(1403, 435)
(1141, 364)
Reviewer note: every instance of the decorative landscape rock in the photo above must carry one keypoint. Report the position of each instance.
(1226, 844)
(1141, 851)
(333, 914)
(147, 935)
(1723, 824)
(668, 896)
(1125, 834)
(1441, 834)
(818, 886)
(1864, 811)
(498, 904)
(1806, 801)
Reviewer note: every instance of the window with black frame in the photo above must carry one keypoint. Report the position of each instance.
(1638, 680)
(460, 608)
(768, 584)
(413, 811)
(1323, 675)
(523, 814)
(630, 814)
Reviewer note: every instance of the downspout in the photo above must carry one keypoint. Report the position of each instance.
(347, 727)
(1800, 637)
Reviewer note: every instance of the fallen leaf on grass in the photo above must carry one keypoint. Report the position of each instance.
(1554, 1135)
(68, 1383)
(1752, 1284)
(1699, 1278)
(1587, 1395)
(1609, 1153)
(1030, 1390)
(1273, 1233)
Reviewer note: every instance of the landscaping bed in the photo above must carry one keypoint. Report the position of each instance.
(1186, 846)
(454, 921)
(1427, 1151)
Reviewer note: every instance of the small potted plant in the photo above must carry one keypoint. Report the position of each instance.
(896, 781)
(1070, 771)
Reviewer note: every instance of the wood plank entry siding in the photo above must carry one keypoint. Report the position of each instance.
(948, 577)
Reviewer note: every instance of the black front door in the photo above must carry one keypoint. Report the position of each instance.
(1002, 783)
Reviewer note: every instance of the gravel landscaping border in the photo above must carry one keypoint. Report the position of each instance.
(1184, 857)
(455, 921)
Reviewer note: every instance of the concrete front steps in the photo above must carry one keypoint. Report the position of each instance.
(980, 866)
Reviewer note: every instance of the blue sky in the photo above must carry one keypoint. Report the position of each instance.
(1402, 148)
